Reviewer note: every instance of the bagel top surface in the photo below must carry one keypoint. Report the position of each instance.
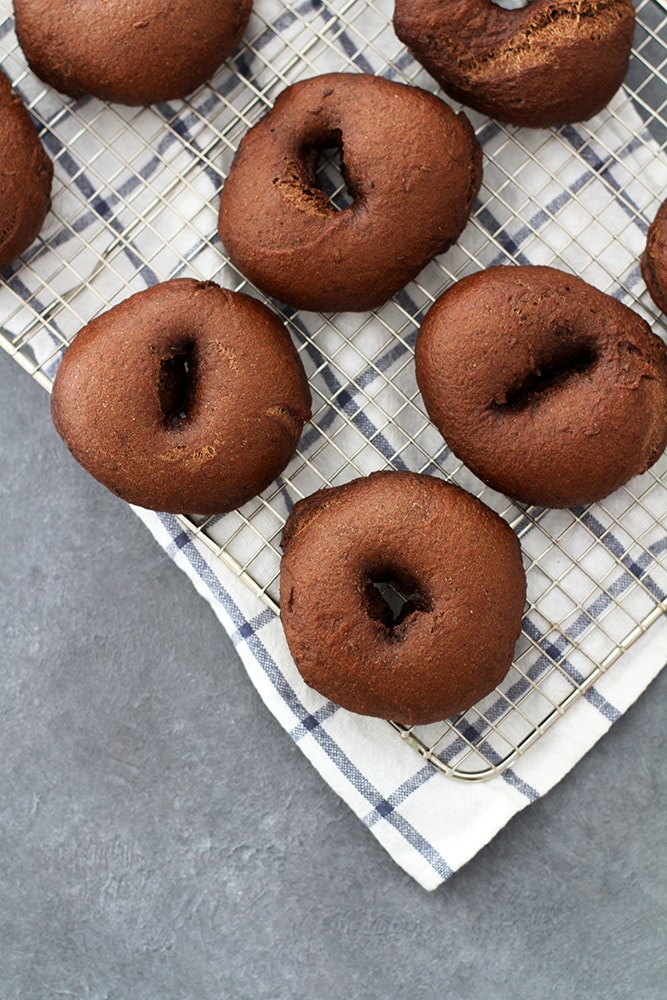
(412, 167)
(134, 52)
(457, 563)
(184, 398)
(547, 63)
(27, 173)
(551, 391)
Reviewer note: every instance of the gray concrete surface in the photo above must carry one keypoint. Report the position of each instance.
(162, 839)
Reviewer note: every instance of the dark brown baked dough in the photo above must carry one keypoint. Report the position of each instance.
(458, 563)
(654, 259)
(129, 51)
(26, 171)
(548, 63)
(412, 166)
(549, 390)
(183, 398)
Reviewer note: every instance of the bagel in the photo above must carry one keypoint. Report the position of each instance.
(457, 564)
(550, 62)
(549, 390)
(183, 398)
(27, 173)
(134, 52)
(654, 259)
(412, 166)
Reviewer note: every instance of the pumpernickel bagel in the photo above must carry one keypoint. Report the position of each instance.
(183, 398)
(27, 173)
(412, 166)
(129, 51)
(549, 390)
(546, 63)
(654, 259)
(457, 566)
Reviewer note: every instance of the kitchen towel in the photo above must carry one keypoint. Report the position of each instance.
(429, 823)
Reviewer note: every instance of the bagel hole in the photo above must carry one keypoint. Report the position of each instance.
(329, 170)
(392, 598)
(176, 382)
(570, 359)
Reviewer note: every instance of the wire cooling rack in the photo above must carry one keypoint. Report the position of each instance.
(135, 200)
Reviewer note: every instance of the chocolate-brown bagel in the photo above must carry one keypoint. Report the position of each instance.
(549, 390)
(654, 259)
(128, 51)
(547, 63)
(412, 166)
(26, 171)
(183, 398)
(457, 563)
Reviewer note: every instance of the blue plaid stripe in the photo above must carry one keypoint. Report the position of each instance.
(638, 568)
(251, 626)
(603, 166)
(313, 720)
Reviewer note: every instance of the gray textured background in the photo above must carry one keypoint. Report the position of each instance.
(162, 839)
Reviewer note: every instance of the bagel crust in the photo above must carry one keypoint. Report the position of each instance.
(183, 398)
(27, 173)
(549, 390)
(654, 259)
(459, 566)
(548, 63)
(134, 52)
(412, 166)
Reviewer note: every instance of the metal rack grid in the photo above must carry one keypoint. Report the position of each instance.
(135, 200)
